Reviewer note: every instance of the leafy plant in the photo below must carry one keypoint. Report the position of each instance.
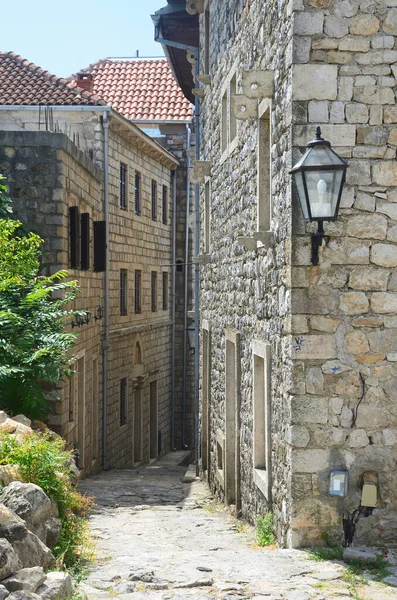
(43, 461)
(331, 551)
(33, 345)
(264, 530)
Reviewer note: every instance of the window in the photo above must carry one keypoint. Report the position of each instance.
(165, 291)
(137, 193)
(228, 120)
(261, 416)
(138, 293)
(207, 218)
(264, 169)
(154, 200)
(123, 292)
(85, 241)
(99, 245)
(74, 237)
(232, 411)
(123, 401)
(123, 186)
(207, 40)
(154, 291)
(165, 205)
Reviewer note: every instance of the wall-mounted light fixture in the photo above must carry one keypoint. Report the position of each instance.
(81, 318)
(319, 178)
(191, 335)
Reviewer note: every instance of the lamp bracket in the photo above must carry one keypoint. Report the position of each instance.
(194, 6)
(204, 78)
(199, 92)
(248, 242)
(317, 240)
(199, 171)
(258, 84)
(244, 108)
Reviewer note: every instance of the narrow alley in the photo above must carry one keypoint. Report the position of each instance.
(161, 536)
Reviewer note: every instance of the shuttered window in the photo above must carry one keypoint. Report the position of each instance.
(123, 291)
(138, 292)
(154, 291)
(154, 200)
(99, 246)
(85, 241)
(123, 401)
(137, 193)
(165, 204)
(123, 186)
(74, 237)
(165, 291)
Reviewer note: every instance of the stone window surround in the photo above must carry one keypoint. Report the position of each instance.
(123, 405)
(123, 191)
(207, 216)
(261, 411)
(226, 114)
(232, 413)
(95, 408)
(264, 176)
(205, 393)
(220, 473)
(123, 291)
(207, 27)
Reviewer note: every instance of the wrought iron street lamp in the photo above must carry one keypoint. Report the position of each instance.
(319, 178)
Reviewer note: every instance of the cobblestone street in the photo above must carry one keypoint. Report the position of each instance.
(160, 537)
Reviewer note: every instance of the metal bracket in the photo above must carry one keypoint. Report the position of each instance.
(244, 108)
(258, 84)
(266, 238)
(199, 171)
(204, 78)
(194, 6)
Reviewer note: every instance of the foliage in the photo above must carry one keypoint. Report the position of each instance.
(331, 551)
(5, 201)
(33, 344)
(43, 461)
(264, 530)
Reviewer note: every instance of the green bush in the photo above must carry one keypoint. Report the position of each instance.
(33, 345)
(43, 461)
(264, 530)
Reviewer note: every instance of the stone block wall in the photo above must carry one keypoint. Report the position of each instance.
(47, 174)
(344, 322)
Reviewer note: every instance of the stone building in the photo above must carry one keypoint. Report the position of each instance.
(145, 91)
(298, 361)
(86, 179)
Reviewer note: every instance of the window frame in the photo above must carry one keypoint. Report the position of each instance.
(261, 455)
(123, 182)
(153, 291)
(228, 120)
(154, 200)
(123, 404)
(165, 290)
(137, 193)
(138, 294)
(123, 292)
(165, 205)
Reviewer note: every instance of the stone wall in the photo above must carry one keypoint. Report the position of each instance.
(344, 322)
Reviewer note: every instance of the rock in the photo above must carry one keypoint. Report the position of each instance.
(372, 226)
(364, 24)
(390, 23)
(32, 552)
(22, 419)
(29, 502)
(53, 527)
(384, 255)
(391, 580)
(354, 303)
(357, 342)
(308, 23)
(195, 583)
(9, 561)
(318, 111)
(357, 113)
(308, 409)
(390, 114)
(298, 436)
(326, 324)
(369, 278)
(313, 346)
(314, 381)
(57, 586)
(384, 302)
(358, 439)
(12, 527)
(372, 136)
(125, 587)
(367, 322)
(385, 173)
(4, 593)
(315, 82)
(25, 579)
(310, 461)
(362, 554)
(22, 595)
(10, 473)
(336, 27)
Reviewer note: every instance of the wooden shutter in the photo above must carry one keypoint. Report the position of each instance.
(99, 246)
(74, 237)
(137, 193)
(154, 200)
(123, 291)
(123, 401)
(137, 299)
(154, 291)
(85, 241)
(165, 204)
(123, 186)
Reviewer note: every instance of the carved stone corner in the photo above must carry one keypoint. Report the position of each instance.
(191, 57)
(258, 84)
(194, 6)
(248, 242)
(244, 108)
(204, 78)
(199, 92)
(264, 238)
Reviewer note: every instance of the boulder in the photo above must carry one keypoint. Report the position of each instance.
(25, 579)
(4, 593)
(22, 419)
(9, 561)
(52, 531)
(32, 552)
(23, 595)
(29, 502)
(12, 527)
(57, 586)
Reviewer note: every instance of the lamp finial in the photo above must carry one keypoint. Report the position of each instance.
(318, 133)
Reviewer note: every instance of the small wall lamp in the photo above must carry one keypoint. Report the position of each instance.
(81, 318)
(99, 313)
(191, 330)
(319, 177)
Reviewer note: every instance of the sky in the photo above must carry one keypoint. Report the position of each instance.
(64, 37)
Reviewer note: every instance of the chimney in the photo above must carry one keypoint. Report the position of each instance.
(85, 81)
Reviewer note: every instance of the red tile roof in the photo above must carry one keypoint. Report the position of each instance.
(22, 82)
(140, 89)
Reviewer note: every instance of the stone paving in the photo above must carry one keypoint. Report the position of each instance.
(160, 536)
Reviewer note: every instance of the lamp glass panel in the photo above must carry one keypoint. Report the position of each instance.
(301, 194)
(323, 188)
(322, 155)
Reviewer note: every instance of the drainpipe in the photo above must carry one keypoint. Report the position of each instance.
(184, 398)
(173, 300)
(105, 340)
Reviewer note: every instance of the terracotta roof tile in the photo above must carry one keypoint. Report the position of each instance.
(140, 89)
(24, 83)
